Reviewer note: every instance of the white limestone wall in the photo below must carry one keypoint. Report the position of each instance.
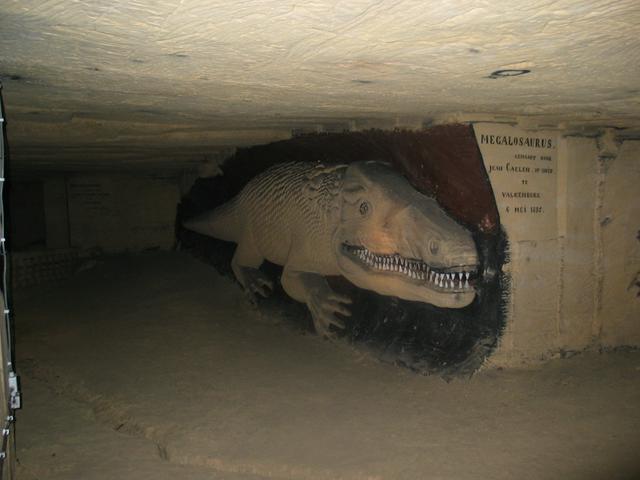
(618, 303)
(574, 274)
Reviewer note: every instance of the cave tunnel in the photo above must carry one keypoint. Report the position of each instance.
(371, 240)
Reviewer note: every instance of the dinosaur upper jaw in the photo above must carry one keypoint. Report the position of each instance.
(409, 278)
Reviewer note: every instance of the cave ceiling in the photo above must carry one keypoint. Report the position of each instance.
(89, 83)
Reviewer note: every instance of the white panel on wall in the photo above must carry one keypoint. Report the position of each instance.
(119, 212)
(573, 229)
(522, 167)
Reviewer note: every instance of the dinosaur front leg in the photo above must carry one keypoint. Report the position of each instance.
(245, 265)
(324, 303)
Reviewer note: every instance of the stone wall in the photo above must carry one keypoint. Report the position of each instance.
(119, 213)
(574, 266)
(617, 305)
(85, 216)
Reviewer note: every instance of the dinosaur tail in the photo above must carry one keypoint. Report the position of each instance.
(222, 223)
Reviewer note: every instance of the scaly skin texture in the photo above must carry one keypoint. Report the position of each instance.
(363, 221)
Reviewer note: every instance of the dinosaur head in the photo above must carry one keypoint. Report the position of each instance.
(396, 241)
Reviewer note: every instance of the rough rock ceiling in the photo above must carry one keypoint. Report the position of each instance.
(139, 81)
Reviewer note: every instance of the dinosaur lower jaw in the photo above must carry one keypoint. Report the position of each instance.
(445, 280)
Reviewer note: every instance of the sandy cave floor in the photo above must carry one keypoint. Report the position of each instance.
(154, 367)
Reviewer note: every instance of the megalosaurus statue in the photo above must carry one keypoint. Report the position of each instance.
(363, 221)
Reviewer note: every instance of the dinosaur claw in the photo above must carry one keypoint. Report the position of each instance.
(323, 309)
(340, 298)
(261, 289)
(251, 297)
(325, 331)
(255, 283)
(337, 323)
(341, 309)
(264, 282)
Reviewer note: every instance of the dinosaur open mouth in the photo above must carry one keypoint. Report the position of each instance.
(454, 279)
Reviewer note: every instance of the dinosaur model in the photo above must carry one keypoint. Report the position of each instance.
(363, 221)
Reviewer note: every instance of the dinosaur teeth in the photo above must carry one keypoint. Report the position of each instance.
(412, 268)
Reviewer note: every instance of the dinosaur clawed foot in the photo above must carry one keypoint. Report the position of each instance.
(255, 282)
(324, 308)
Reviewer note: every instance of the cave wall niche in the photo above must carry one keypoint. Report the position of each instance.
(442, 162)
(559, 274)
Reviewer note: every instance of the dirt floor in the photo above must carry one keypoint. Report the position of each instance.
(154, 367)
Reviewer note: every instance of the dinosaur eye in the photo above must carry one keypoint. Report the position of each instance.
(364, 208)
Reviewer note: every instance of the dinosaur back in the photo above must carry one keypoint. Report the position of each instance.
(290, 208)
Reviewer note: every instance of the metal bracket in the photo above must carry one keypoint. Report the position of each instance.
(6, 431)
(14, 392)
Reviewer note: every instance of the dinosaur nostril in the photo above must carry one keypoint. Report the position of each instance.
(434, 246)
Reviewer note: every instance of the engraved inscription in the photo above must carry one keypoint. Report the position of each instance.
(522, 169)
